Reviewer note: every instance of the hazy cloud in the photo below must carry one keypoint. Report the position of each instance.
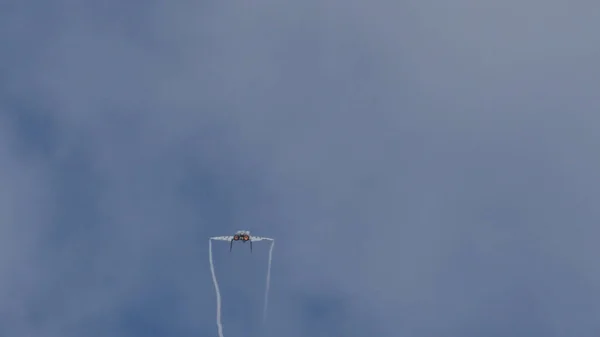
(427, 168)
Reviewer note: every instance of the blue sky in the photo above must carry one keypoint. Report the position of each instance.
(427, 168)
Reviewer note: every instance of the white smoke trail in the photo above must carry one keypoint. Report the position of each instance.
(268, 282)
(214, 277)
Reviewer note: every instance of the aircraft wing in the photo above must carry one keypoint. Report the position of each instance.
(222, 238)
(259, 238)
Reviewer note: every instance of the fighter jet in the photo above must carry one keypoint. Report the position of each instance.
(241, 235)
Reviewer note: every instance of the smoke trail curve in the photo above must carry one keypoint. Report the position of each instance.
(214, 278)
